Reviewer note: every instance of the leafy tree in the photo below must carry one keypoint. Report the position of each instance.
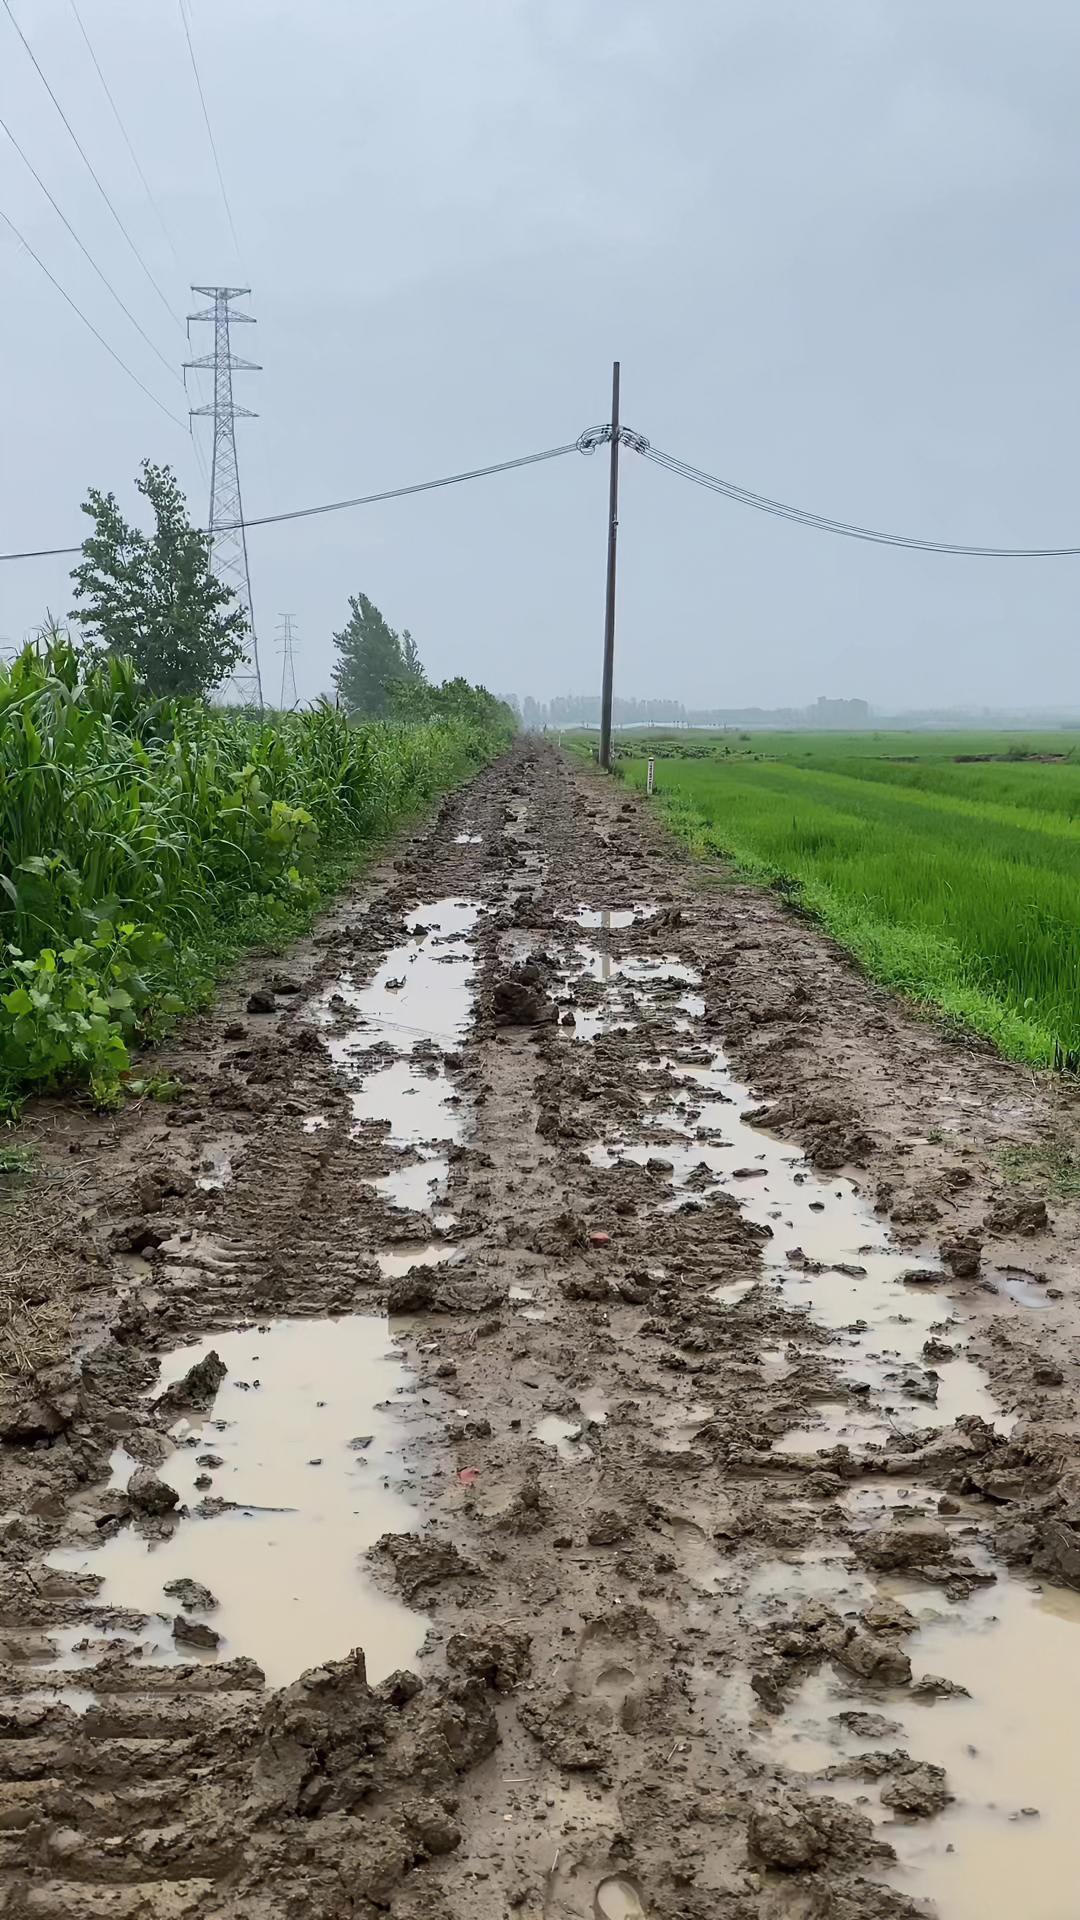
(152, 597)
(410, 657)
(419, 700)
(374, 659)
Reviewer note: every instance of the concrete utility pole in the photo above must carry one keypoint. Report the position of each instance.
(609, 609)
(228, 553)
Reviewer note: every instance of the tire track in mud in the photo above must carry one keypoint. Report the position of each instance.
(682, 1484)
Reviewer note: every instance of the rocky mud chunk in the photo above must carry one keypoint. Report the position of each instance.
(421, 1292)
(147, 1494)
(194, 1633)
(38, 1409)
(918, 1790)
(791, 1832)
(191, 1594)
(1011, 1217)
(866, 1726)
(530, 1510)
(962, 1254)
(329, 1741)
(931, 1686)
(886, 1615)
(1047, 1373)
(496, 1655)
(430, 1827)
(607, 1527)
(421, 1561)
(911, 1544)
(874, 1659)
(521, 999)
(573, 1733)
(199, 1387)
(1055, 1549)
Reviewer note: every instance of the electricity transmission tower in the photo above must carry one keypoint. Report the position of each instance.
(287, 638)
(228, 552)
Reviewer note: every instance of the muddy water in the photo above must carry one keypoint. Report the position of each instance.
(828, 1254)
(1009, 1844)
(286, 1565)
(419, 1001)
(618, 1899)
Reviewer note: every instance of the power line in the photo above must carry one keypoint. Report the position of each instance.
(362, 500)
(421, 486)
(850, 530)
(126, 136)
(124, 308)
(87, 162)
(206, 117)
(587, 443)
(111, 351)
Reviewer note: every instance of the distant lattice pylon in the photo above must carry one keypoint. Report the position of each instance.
(228, 552)
(287, 637)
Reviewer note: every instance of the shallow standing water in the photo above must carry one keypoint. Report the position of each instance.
(1009, 1845)
(286, 1565)
(419, 1001)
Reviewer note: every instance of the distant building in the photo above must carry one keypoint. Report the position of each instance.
(851, 714)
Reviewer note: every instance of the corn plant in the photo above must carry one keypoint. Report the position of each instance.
(130, 828)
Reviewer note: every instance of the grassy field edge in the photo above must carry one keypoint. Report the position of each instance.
(913, 963)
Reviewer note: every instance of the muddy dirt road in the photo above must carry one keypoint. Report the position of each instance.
(560, 1418)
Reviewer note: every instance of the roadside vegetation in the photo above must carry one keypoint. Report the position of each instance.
(951, 877)
(148, 837)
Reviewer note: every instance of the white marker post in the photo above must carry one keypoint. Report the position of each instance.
(650, 777)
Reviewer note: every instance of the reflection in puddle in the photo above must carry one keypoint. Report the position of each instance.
(79, 1699)
(1022, 1287)
(564, 1436)
(285, 1565)
(612, 919)
(420, 999)
(395, 1261)
(618, 1899)
(423, 987)
(215, 1169)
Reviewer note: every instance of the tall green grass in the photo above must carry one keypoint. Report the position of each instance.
(949, 889)
(143, 842)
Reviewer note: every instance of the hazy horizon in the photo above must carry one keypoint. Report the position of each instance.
(830, 247)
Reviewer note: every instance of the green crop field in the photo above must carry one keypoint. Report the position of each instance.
(953, 877)
(144, 843)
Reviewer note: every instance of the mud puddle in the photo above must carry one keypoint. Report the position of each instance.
(1008, 1842)
(827, 1255)
(418, 1004)
(305, 1441)
(613, 919)
(618, 1899)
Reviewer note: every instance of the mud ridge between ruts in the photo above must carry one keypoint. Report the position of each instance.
(699, 1426)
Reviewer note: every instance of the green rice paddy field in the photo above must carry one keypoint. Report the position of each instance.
(953, 878)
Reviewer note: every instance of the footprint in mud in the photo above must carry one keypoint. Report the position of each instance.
(607, 1669)
(614, 1683)
(617, 1898)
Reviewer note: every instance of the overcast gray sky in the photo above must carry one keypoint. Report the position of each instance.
(834, 243)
